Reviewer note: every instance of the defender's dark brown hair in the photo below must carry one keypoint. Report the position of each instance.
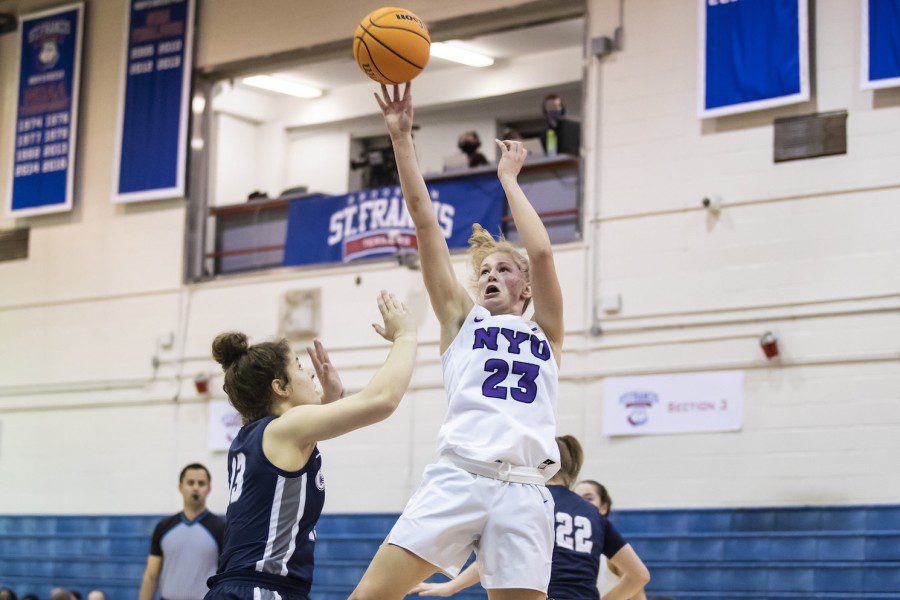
(571, 457)
(250, 370)
(194, 466)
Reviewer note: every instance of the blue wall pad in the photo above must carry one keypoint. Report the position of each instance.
(839, 552)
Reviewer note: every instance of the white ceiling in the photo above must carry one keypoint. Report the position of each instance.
(330, 74)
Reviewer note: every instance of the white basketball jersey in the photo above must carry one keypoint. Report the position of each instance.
(501, 381)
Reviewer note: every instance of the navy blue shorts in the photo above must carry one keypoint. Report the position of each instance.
(245, 591)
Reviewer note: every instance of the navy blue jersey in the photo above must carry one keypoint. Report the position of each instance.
(271, 517)
(582, 535)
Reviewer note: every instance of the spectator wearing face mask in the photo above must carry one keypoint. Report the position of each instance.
(562, 136)
(468, 143)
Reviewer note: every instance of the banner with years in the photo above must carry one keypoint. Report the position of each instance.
(153, 105)
(682, 403)
(46, 112)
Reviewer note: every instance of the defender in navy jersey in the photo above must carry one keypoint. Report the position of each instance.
(277, 489)
(582, 536)
(272, 513)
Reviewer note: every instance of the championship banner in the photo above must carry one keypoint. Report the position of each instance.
(880, 44)
(376, 223)
(46, 112)
(153, 106)
(753, 54)
(684, 403)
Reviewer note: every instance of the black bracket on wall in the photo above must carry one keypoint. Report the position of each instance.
(8, 23)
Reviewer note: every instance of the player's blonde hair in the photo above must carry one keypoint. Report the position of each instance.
(482, 244)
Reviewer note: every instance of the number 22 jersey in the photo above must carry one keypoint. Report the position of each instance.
(501, 382)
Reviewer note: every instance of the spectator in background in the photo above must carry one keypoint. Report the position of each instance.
(7, 594)
(184, 550)
(30, 597)
(96, 595)
(562, 135)
(511, 134)
(61, 594)
(468, 143)
(75, 594)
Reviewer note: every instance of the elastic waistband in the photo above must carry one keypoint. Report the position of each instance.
(503, 471)
(276, 583)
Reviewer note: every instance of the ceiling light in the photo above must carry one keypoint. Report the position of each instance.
(460, 55)
(198, 104)
(282, 85)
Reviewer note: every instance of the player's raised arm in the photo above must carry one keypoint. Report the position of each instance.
(449, 299)
(308, 424)
(545, 289)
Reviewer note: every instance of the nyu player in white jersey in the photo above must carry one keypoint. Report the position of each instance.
(501, 372)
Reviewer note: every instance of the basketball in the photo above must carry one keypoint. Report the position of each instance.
(391, 45)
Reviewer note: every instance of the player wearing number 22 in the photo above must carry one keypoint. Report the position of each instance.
(496, 447)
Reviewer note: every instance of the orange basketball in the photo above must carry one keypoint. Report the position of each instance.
(391, 45)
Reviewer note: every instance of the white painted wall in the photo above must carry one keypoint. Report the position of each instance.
(236, 151)
(320, 160)
(806, 249)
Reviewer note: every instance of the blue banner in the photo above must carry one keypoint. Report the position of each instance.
(46, 112)
(153, 111)
(881, 44)
(376, 223)
(754, 54)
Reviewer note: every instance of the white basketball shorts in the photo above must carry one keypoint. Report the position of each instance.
(508, 525)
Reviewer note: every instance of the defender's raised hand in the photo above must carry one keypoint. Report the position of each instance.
(512, 157)
(397, 320)
(332, 387)
(397, 109)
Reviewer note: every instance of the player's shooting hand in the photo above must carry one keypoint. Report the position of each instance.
(398, 323)
(397, 109)
(332, 387)
(512, 157)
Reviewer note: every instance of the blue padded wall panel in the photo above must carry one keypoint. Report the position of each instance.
(792, 552)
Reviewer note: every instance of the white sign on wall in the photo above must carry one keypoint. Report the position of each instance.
(223, 424)
(683, 403)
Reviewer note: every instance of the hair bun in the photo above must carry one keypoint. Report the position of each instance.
(227, 348)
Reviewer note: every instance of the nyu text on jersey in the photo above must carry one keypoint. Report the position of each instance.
(501, 382)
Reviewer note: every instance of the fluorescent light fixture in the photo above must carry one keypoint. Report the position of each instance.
(282, 85)
(198, 104)
(460, 55)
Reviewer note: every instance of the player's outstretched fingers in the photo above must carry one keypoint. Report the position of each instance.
(380, 102)
(382, 306)
(321, 352)
(394, 303)
(316, 363)
(502, 146)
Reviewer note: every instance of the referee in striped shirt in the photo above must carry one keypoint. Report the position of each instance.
(184, 550)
